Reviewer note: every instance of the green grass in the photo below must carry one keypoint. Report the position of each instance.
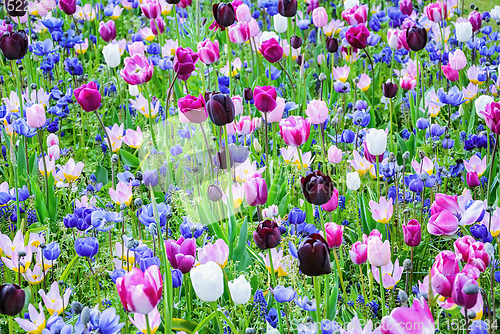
(484, 5)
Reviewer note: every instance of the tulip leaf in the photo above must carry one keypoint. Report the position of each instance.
(184, 325)
(66, 271)
(21, 163)
(129, 159)
(41, 209)
(273, 192)
(53, 200)
(283, 206)
(472, 118)
(33, 230)
(101, 174)
(240, 253)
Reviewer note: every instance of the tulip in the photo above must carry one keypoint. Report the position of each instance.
(287, 8)
(192, 108)
(283, 295)
(478, 256)
(68, 6)
(416, 37)
(239, 33)
(88, 96)
(280, 23)
(463, 31)
(492, 116)
(14, 45)
(389, 89)
(133, 138)
(317, 111)
(181, 253)
(296, 42)
(12, 299)
(16, 8)
(334, 234)
(475, 20)
(408, 82)
(256, 190)
(295, 130)
(332, 44)
(401, 318)
(112, 55)
(53, 301)
(220, 159)
(157, 26)
(150, 178)
(379, 253)
(473, 180)
(151, 9)
(382, 211)
(412, 233)
(333, 203)
(139, 291)
(107, 30)
(376, 141)
(358, 253)
(271, 50)
(122, 194)
(138, 70)
(208, 51)
(356, 14)
(243, 13)
(184, 61)
(296, 216)
(406, 7)
(462, 247)
(436, 12)
(217, 252)
(224, 14)
(353, 181)
(450, 73)
(319, 17)
(357, 36)
(220, 109)
(35, 116)
(265, 98)
(317, 188)
(443, 223)
(136, 48)
(460, 285)
(457, 60)
(240, 290)
(334, 154)
(87, 247)
(208, 281)
(267, 235)
(314, 256)
(154, 319)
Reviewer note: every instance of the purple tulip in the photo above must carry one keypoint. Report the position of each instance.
(181, 253)
(68, 6)
(267, 235)
(461, 289)
(412, 233)
(256, 190)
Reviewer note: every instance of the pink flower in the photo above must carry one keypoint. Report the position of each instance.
(382, 211)
(71, 171)
(426, 165)
(181, 253)
(334, 234)
(457, 60)
(317, 111)
(256, 190)
(239, 33)
(52, 140)
(138, 70)
(107, 30)
(412, 233)
(357, 36)
(364, 82)
(492, 116)
(475, 164)
(238, 105)
(341, 73)
(319, 17)
(122, 194)
(419, 317)
(476, 20)
(151, 8)
(443, 272)
(192, 109)
(244, 126)
(358, 253)
(450, 73)
(185, 3)
(54, 152)
(53, 301)
(391, 274)
(243, 13)
(88, 96)
(458, 294)
(35, 116)
(139, 321)
(133, 138)
(157, 26)
(276, 114)
(478, 256)
(271, 50)
(356, 15)
(437, 11)
(265, 98)
(379, 253)
(115, 136)
(217, 252)
(136, 48)
(333, 203)
(408, 82)
(139, 291)
(406, 7)
(295, 130)
(334, 154)
(450, 211)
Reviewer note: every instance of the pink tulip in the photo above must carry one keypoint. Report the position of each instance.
(476, 21)
(181, 253)
(478, 257)
(276, 114)
(133, 138)
(473, 179)
(88, 96)
(356, 15)
(139, 291)
(122, 194)
(254, 28)
(208, 51)
(184, 61)
(492, 116)
(437, 11)
(312, 5)
(243, 13)
(317, 111)
(443, 272)
(320, 18)
(379, 253)
(107, 30)
(412, 233)
(265, 98)
(450, 73)
(193, 108)
(408, 82)
(334, 154)
(238, 104)
(458, 294)
(443, 223)
(185, 3)
(217, 252)
(391, 274)
(239, 33)
(52, 140)
(136, 48)
(397, 39)
(333, 203)
(151, 8)
(418, 316)
(457, 60)
(271, 50)
(138, 70)
(35, 116)
(157, 26)
(382, 211)
(358, 253)
(295, 130)
(54, 152)
(244, 126)
(256, 190)
(334, 234)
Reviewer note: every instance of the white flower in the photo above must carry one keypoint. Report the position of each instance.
(463, 31)
(111, 54)
(208, 281)
(240, 290)
(376, 141)
(353, 181)
(280, 23)
(481, 103)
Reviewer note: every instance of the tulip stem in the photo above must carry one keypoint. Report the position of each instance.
(230, 68)
(317, 295)
(148, 327)
(46, 176)
(382, 292)
(150, 118)
(362, 283)
(491, 169)
(340, 276)
(107, 138)
(11, 325)
(378, 179)
(289, 78)
(273, 283)
(216, 311)
(266, 145)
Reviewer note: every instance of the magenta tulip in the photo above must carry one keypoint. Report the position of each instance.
(256, 190)
(478, 257)
(357, 36)
(406, 7)
(492, 116)
(437, 11)
(151, 9)
(138, 70)
(412, 233)
(358, 253)
(68, 7)
(333, 203)
(458, 294)
(443, 272)
(265, 98)
(476, 21)
(271, 50)
(107, 30)
(35, 116)
(473, 179)
(450, 73)
(139, 291)
(418, 316)
(295, 130)
(356, 15)
(157, 26)
(443, 223)
(239, 33)
(334, 234)
(208, 51)
(184, 61)
(192, 108)
(88, 96)
(181, 253)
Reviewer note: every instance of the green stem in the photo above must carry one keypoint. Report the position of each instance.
(46, 176)
(340, 276)
(382, 292)
(148, 327)
(150, 118)
(216, 311)
(273, 282)
(317, 295)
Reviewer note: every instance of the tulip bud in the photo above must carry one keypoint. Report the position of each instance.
(220, 109)
(256, 190)
(412, 233)
(353, 181)
(267, 235)
(287, 8)
(332, 44)
(12, 299)
(389, 89)
(150, 178)
(314, 256)
(221, 159)
(317, 188)
(256, 145)
(296, 41)
(214, 192)
(224, 14)
(248, 93)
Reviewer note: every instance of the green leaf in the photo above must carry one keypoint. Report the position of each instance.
(274, 188)
(184, 325)
(101, 174)
(22, 166)
(240, 253)
(66, 271)
(129, 159)
(41, 209)
(53, 200)
(283, 206)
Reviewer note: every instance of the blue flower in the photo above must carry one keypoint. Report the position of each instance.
(127, 177)
(87, 247)
(329, 327)
(100, 218)
(117, 273)
(272, 317)
(146, 216)
(56, 325)
(454, 97)
(282, 294)
(176, 278)
(21, 127)
(190, 230)
(306, 304)
(296, 216)
(52, 251)
(109, 322)
(275, 73)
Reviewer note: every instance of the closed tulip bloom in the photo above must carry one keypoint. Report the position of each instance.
(68, 6)
(317, 188)
(139, 291)
(390, 89)
(267, 235)
(463, 31)
(220, 109)
(208, 281)
(319, 17)
(408, 82)
(334, 234)
(239, 33)
(443, 223)
(151, 8)
(157, 26)
(314, 256)
(357, 36)
(256, 190)
(12, 299)
(192, 109)
(138, 70)
(280, 23)
(88, 96)
(295, 130)
(358, 253)
(333, 203)
(406, 7)
(379, 253)
(208, 51)
(450, 73)
(243, 13)
(87, 247)
(111, 53)
(150, 178)
(412, 233)
(473, 180)
(271, 50)
(458, 292)
(492, 116)
(436, 12)
(476, 21)
(16, 8)
(35, 116)
(356, 14)
(184, 61)
(240, 290)
(214, 193)
(457, 60)
(181, 253)
(416, 38)
(334, 154)
(224, 14)
(14, 45)
(265, 98)
(296, 41)
(107, 30)
(353, 181)
(317, 111)
(287, 8)
(376, 141)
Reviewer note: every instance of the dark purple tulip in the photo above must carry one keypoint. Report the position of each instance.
(220, 109)
(332, 44)
(14, 45)
(16, 8)
(390, 89)
(296, 42)
(173, 2)
(224, 14)
(12, 299)
(412, 233)
(314, 256)
(416, 38)
(317, 188)
(267, 235)
(248, 93)
(68, 6)
(150, 178)
(287, 8)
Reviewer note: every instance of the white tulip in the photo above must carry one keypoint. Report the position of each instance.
(208, 281)
(111, 54)
(133, 90)
(256, 145)
(464, 31)
(481, 103)
(240, 290)
(353, 181)
(280, 23)
(376, 141)
(348, 4)
(267, 35)
(495, 13)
